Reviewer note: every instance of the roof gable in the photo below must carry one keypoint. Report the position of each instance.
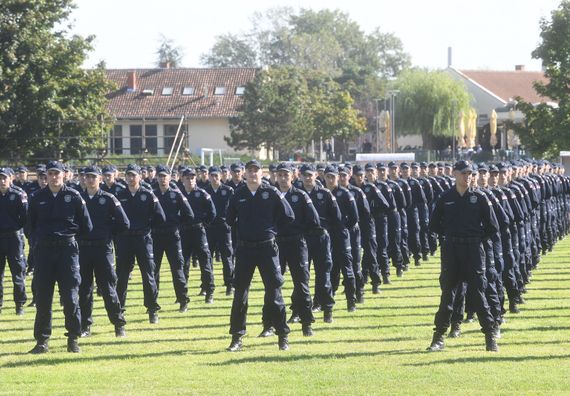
(125, 103)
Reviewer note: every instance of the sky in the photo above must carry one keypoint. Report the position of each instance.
(483, 34)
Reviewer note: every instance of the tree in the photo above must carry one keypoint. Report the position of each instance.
(546, 128)
(230, 51)
(285, 107)
(429, 103)
(168, 53)
(49, 106)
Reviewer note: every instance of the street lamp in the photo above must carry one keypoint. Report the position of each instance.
(392, 96)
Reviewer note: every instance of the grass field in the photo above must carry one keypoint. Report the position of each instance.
(380, 349)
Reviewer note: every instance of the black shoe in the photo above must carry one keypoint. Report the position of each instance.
(236, 343)
(399, 272)
(405, 267)
(513, 308)
(73, 345)
(425, 257)
(307, 330)
(437, 342)
(351, 306)
(202, 293)
(375, 289)
(209, 299)
(229, 291)
(183, 307)
(327, 316)
(491, 342)
(41, 347)
(470, 317)
(316, 308)
(455, 330)
(521, 300)
(294, 318)
(153, 317)
(497, 332)
(267, 332)
(523, 289)
(32, 304)
(386, 279)
(19, 310)
(85, 332)
(417, 262)
(283, 342)
(120, 331)
(360, 298)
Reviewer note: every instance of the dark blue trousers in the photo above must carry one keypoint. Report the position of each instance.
(319, 246)
(12, 250)
(220, 240)
(169, 243)
(194, 241)
(98, 260)
(342, 262)
(57, 264)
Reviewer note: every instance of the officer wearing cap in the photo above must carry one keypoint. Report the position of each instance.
(21, 178)
(417, 214)
(144, 212)
(13, 212)
(96, 253)
(434, 171)
(465, 218)
(236, 172)
(403, 201)
(110, 183)
(166, 236)
(56, 215)
(194, 239)
(319, 242)
(432, 193)
(256, 210)
(202, 177)
(293, 247)
(379, 208)
(151, 175)
(219, 232)
(340, 237)
(224, 174)
(418, 171)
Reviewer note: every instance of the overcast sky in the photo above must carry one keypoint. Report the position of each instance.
(484, 34)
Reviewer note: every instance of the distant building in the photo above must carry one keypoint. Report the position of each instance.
(149, 104)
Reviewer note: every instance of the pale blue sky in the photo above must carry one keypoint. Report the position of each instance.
(484, 34)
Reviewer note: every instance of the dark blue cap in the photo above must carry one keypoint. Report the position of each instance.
(463, 166)
(203, 168)
(357, 170)
(320, 167)
(108, 169)
(414, 165)
(21, 169)
(234, 167)
(272, 167)
(344, 169)
(448, 165)
(392, 164)
(163, 169)
(92, 170)
(439, 164)
(41, 169)
(404, 165)
(54, 165)
(432, 165)
(189, 171)
(423, 164)
(381, 165)
(80, 170)
(474, 169)
(369, 166)
(503, 166)
(150, 168)
(181, 168)
(482, 167)
(133, 168)
(282, 167)
(331, 169)
(253, 162)
(493, 168)
(223, 168)
(213, 169)
(5, 171)
(308, 168)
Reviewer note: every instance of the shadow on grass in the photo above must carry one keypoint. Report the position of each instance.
(489, 359)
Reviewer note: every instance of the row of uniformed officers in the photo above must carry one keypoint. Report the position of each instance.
(493, 223)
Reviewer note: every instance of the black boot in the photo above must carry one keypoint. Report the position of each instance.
(328, 316)
(236, 343)
(386, 279)
(455, 330)
(267, 332)
(307, 330)
(73, 345)
(375, 288)
(470, 317)
(41, 347)
(351, 306)
(120, 331)
(283, 342)
(491, 341)
(294, 318)
(437, 342)
(514, 308)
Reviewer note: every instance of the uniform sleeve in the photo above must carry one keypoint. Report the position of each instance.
(352, 210)
(364, 205)
(186, 212)
(120, 220)
(22, 213)
(312, 219)
(158, 217)
(407, 190)
(283, 211)
(333, 211)
(231, 215)
(436, 219)
(82, 217)
(210, 209)
(31, 220)
(380, 200)
(488, 218)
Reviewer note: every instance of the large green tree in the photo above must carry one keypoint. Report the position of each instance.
(546, 128)
(168, 53)
(49, 105)
(285, 107)
(429, 103)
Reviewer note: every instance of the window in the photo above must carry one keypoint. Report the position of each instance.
(188, 91)
(117, 140)
(170, 133)
(148, 92)
(240, 90)
(220, 91)
(136, 139)
(150, 139)
(167, 91)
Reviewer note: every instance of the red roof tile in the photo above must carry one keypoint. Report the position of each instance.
(125, 104)
(509, 84)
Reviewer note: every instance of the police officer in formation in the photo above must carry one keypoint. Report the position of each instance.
(492, 222)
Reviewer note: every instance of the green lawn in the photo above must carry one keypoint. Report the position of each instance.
(380, 349)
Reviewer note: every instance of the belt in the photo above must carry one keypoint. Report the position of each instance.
(464, 240)
(257, 244)
(316, 231)
(9, 234)
(289, 238)
(135, 232)
(63, 241)
(93, 242)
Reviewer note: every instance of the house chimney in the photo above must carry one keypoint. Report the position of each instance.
(519, 67)
(131, 81)
(164, 65)
(449, 54)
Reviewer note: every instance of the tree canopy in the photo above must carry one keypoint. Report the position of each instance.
(429, 103)
(168, 52)
(546, 129)
(49, 105)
